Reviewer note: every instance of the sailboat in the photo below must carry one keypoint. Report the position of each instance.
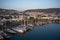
(5, 29)
(23, 27)
(20, 28)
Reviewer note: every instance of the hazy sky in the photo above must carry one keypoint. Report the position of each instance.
(29, 4)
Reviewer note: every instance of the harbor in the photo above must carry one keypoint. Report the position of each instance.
(10, 27)
(15, 30)
(45, 32)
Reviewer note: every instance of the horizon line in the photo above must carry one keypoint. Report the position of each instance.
(24, 9)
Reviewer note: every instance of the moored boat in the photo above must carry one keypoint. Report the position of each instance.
(11, 31)
(19, 29)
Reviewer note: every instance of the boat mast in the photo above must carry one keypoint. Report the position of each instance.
(2, 25)
(23, 19)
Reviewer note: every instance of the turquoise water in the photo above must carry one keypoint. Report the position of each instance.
(45, 32)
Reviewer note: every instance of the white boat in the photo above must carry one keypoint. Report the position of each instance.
(23, 27)
(19, 30)
(31, 25)
(11, 31)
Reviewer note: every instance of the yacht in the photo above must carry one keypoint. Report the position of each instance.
(19, 29)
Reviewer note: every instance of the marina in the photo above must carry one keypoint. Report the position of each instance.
(48, 31)
(24, 28)
(45, 32)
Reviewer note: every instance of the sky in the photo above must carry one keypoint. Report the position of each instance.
(29, 4)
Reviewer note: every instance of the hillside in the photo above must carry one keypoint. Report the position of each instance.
(51, 10)
(8, 12)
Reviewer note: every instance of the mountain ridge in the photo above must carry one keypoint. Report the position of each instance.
(50, 10)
